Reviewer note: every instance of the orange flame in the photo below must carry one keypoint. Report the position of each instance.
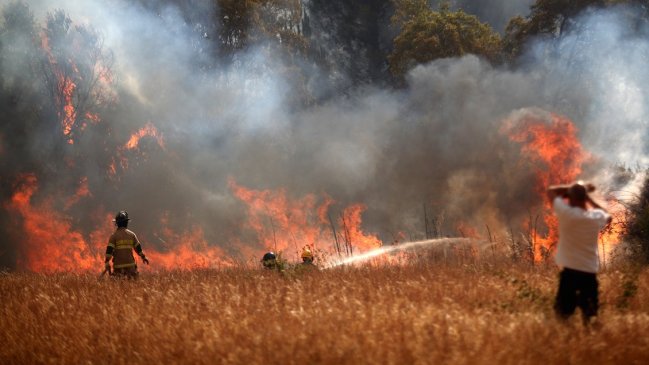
(351, 222)
(49, 242)
(551, 144)
(611, 235)
(186, 250)
(148, 130)
(467, 230)
(112, 168)
(93, 117)
(282, 224)
(65, 87)
(82, 191)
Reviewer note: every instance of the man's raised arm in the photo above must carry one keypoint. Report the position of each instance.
(557, 190)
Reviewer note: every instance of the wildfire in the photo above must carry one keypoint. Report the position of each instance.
(550, 143)
(282, 224)
(93, 117)
(186, 250)
(354, 237)
(148, 130)
(121, 159)
(49, 243)
(82, 191)
(610, 236)
(112, 168)
(65, 88)
(466, 230)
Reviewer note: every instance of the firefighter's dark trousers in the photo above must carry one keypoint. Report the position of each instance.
(126, 272)
(577, 289)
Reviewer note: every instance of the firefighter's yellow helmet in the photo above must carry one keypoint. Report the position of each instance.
(306, 253)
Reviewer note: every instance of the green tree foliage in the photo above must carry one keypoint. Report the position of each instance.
(427, 35)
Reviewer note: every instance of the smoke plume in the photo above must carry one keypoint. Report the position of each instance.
(206, 125)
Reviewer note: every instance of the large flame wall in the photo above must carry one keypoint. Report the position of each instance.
(220, 157)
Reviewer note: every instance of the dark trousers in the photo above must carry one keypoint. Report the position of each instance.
(577, 289)
(127, 272)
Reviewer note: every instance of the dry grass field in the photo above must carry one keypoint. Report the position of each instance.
(409, 314)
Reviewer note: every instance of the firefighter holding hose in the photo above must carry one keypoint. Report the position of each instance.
(269, 261)
(307, 260)
(120, 249)
(580, 220)
(307, 256)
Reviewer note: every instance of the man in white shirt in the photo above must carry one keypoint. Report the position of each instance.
(580, 220)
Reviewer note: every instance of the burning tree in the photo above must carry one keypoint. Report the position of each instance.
(55, 82)
(76, 71)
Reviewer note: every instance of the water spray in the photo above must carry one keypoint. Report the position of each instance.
(404, 246)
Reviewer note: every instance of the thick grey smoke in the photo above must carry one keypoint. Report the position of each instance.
(437, 143)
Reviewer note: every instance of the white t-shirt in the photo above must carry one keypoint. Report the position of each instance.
(578, 231)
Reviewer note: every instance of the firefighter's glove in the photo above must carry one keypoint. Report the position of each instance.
(145, 260)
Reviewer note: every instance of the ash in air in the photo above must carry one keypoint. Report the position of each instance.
(230, 151)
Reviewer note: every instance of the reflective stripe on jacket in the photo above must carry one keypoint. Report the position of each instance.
(123, 242)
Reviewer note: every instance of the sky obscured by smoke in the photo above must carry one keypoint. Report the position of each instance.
(437, 142)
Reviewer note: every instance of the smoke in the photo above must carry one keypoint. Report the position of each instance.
(351, 40)
(604, 57)
(595, 75)
(438, 143)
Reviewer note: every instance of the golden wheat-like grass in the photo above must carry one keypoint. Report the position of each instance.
(411, 314)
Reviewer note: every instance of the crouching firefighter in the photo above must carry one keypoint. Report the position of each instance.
(307, 260)
(269, 261)
(120, 249)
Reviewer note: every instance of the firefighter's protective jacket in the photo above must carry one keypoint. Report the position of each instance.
(120, 247)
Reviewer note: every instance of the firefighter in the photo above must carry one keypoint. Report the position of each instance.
(307, 256)
(307, 259)
(120, 249)
(269, 261)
